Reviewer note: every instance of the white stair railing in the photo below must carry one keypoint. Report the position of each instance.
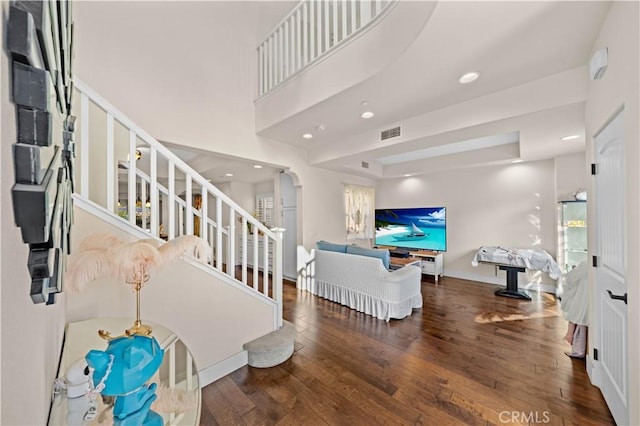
(311, 30)
(130, 174)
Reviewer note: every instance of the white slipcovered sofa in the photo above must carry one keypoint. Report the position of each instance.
(360, 282)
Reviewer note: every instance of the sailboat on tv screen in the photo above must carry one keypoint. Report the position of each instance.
(415, 234)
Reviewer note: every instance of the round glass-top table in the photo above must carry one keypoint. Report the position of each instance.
(177, 372)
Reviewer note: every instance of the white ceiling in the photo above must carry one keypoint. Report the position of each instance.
(216, 167)
(531, 57)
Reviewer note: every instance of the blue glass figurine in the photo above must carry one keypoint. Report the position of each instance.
(122, 371)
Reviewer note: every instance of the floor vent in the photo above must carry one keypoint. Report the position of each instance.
(365, 165)
(393, 132)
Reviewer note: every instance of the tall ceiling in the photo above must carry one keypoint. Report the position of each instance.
(532, 59)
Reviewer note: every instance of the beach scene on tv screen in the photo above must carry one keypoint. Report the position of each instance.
(420, 228)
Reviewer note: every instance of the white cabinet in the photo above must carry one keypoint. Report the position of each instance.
(250, 253)
(431, 263)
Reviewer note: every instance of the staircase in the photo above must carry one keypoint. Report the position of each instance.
(128, 179)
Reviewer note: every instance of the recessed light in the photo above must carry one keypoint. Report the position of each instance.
(307, 136)
(570, 137)
(407, 175)
(321, 127)
(517, 161)
(469, 77)
(257, 166)
(366, 114)
(228, 174)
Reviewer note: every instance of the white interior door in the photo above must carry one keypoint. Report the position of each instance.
(610, 274)
(289, 222)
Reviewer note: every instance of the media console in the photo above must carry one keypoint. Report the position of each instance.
(431, 262)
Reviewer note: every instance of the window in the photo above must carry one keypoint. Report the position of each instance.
(359, 211)
(264, 209)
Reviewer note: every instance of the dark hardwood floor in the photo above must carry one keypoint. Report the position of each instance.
(467, 357)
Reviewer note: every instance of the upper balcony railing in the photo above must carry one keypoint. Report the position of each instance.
(309, 32)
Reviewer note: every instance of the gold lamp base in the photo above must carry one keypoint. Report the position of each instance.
(138, 328)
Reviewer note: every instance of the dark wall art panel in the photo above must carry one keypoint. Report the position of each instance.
(39, 39)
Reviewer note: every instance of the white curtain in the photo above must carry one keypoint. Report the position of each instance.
(359, 204)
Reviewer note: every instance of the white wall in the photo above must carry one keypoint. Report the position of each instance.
(31, 334)
(154, 77)
(571, 174)
(507, 206)
(617, 88)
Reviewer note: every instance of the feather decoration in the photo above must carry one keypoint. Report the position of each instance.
(132, 259)
(100, 242)
(107, 255)
(152, 241)
(174, 400)
(189, 244)
(87, 266)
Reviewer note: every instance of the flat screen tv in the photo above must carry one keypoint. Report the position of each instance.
(423, 228)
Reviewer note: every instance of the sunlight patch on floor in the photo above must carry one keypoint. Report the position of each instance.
(489, 317)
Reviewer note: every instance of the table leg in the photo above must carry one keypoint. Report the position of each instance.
(512, 283)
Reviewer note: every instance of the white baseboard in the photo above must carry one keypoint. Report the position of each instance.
(500, 280)
(214, 372)
(593, 371)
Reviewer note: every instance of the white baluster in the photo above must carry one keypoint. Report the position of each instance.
(143, 202)
(244, 250)
(265, 67)
(189, 362)
(260, 71)
(277, 273)
(172, 197)
(327, 26)
(132, 177)
(276, 57)
(265, 267)
(299, 40)
(285, 50)
(335, 35)
(189, 207)
(84, 146)
(154, 196)
(111, 164)
(354, 16)
(231, 256)
(378, 8)
(204, 214)
(365, 12)
(281, 54)
(271, 62)
(219, 233)
(344, 21)
(293, 44)
(256, 259)
(172, 364)
(312, 29)
(305, 34)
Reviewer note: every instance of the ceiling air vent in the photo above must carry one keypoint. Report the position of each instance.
(365, 165)
(393, 132)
